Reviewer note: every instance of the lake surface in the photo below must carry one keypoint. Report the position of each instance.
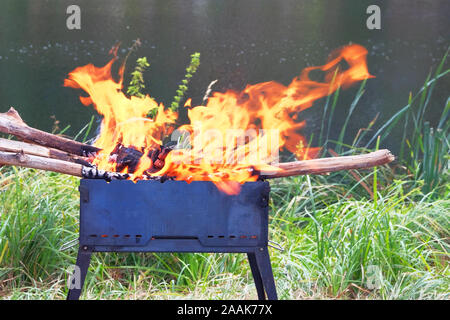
(240, 42)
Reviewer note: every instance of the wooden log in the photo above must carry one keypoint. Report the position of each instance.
(21, 159)
(327, 165)
(354, 174)
(12, 123)
(36, 150)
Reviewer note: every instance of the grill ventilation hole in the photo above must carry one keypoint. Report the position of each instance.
(232, 237)
(114, 236)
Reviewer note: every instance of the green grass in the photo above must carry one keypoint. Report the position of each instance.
(332, 234)
(382, 234)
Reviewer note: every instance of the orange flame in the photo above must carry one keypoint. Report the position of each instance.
(231, 138)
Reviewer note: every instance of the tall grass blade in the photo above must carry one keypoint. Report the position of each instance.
(355, 101)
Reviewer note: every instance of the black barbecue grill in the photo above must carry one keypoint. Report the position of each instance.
(174, 216)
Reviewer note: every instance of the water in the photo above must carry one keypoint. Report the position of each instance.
(240, 42)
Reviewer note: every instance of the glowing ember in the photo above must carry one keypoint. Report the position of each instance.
(232, 138)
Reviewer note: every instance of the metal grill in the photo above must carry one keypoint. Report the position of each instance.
(174, 216)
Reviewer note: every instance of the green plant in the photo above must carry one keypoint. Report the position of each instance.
(424, 150)
(331, 243)
(137, 85)
(433, 169)
(183, 87)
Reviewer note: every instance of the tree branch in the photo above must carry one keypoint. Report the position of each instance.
(12, 123)
(326, 165)
(36, 150)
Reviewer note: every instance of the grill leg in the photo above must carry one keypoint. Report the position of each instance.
(256, 275)
(83, 261)
(266, 275)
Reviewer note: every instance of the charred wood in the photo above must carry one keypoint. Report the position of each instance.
(126, 158)
(94, 173)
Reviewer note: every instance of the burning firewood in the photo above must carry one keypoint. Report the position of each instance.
(12, 123)
(47, 145)
(158, 155)
(125, 157)
(129, 157)
(58, 154)
(315, 166)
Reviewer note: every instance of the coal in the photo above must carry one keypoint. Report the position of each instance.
(129, 157)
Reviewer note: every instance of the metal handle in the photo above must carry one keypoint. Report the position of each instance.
(68, 245)
(275, 245)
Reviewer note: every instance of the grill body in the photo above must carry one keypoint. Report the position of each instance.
(174, 216)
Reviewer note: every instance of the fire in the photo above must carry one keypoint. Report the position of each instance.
(124, 118)
(233, 138)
